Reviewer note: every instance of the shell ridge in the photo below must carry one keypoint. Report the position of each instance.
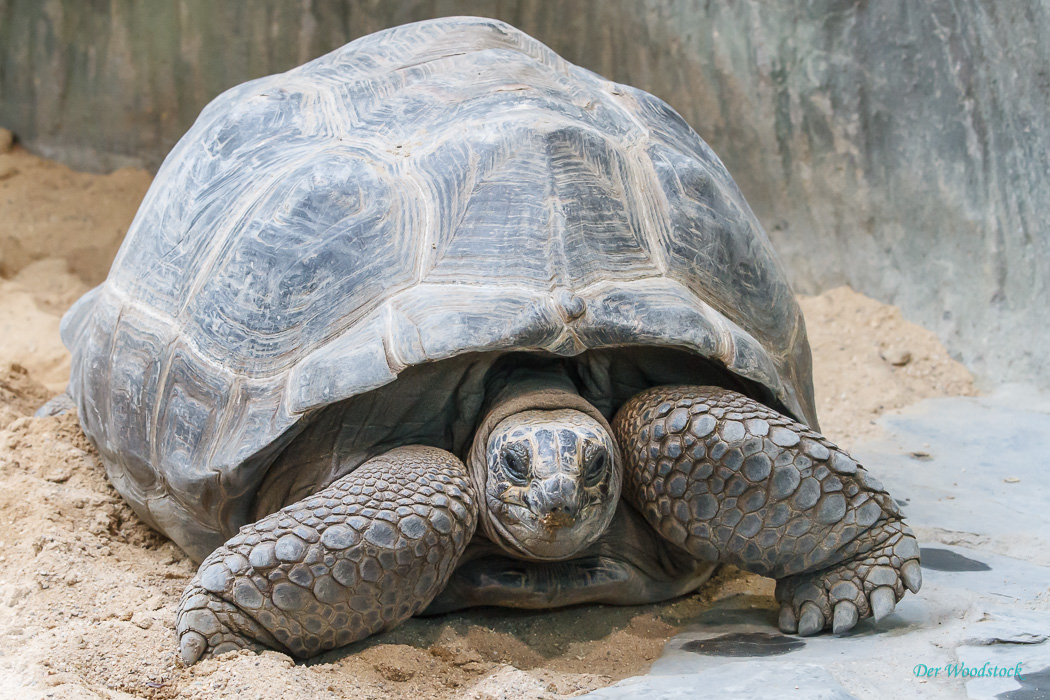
(426, 214)
(554, 247)
(653, 221)
(387, 335)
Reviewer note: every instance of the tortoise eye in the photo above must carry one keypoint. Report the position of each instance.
(595, 469)
(516, 464)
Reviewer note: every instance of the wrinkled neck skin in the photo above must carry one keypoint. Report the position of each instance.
(547, 466)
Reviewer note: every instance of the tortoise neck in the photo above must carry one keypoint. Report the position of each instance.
(518, 381)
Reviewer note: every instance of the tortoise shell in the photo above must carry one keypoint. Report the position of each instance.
(429, 191)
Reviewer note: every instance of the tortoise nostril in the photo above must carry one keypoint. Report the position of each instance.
(557, 503)
(550, 506)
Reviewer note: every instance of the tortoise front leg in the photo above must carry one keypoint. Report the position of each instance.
(733, 481)
(359, 557)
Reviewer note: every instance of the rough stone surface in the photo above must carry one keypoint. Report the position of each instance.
(865, 135)
(972, 465)
(755, 680)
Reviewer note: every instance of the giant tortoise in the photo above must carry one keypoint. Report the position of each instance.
(441, 320)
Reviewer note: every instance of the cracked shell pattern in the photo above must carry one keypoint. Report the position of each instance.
(731, 480)
(360, 556)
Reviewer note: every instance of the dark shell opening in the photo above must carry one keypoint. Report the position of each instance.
(441, 403)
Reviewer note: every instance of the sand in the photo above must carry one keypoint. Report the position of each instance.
(87, 592)
(868, 360)
(59, 232)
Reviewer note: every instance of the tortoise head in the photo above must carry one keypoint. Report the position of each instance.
(553, 481)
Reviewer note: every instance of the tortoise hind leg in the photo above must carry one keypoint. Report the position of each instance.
(733, 481)
(360, 556)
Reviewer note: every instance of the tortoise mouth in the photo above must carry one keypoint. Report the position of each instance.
(552, 537)
(554, 521)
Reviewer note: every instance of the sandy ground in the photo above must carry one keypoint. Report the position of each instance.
(868, 360)
(87, 592)
(59, 232)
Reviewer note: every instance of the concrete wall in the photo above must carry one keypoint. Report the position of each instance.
(900, 147)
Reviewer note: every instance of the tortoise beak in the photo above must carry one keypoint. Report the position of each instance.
(553, 521)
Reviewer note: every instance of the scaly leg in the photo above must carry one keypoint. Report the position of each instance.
(730, 480)
(358, 557)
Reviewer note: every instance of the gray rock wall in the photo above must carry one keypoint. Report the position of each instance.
(900, 147)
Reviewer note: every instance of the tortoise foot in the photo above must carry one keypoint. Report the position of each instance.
(870, 584)
(731, 480)
(357, 558)
(208, 626)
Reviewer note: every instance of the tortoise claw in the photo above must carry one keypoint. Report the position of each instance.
(812, 620)
(846, 616)
(911, 575)
(191, 647)
(883, 601)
